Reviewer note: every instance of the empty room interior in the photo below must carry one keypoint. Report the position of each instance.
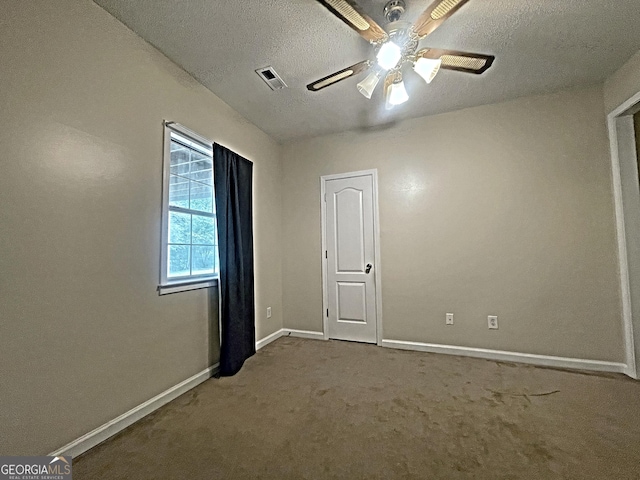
(321, 238)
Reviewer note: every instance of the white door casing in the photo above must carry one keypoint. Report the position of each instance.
(624, 168)
(350, 257)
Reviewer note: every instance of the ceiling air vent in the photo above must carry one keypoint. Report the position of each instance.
(271, 78)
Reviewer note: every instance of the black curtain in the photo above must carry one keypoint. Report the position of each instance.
(233, 179)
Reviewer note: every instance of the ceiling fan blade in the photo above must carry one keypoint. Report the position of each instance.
(339, 76)
(350, 13)
(476, 63)
(435, 15)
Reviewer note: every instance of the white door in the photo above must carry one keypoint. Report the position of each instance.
(350, 258)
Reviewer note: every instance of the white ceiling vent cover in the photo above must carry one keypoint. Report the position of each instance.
(271, 78)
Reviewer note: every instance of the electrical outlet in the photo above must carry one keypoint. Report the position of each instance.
(493, 322)
(268, 312)
(449, 319)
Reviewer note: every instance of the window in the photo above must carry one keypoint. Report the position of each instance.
(189, 237)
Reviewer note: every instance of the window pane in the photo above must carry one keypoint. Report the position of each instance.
(201, 168)
(204, 260)
(178, 191)
(179, 227)
(203, 230)
(178, 260)
(201, 197)
(180, 157)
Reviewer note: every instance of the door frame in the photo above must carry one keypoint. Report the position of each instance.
(376, 242)
(626, 194)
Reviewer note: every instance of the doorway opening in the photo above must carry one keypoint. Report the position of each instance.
(624, 136)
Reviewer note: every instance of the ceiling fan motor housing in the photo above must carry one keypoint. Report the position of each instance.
(393, 10)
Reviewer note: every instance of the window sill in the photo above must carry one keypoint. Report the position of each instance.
(186, 286)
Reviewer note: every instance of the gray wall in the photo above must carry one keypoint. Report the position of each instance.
(503, 209)
(623, 84)
(84, 336)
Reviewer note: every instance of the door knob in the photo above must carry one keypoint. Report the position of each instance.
(368, 269)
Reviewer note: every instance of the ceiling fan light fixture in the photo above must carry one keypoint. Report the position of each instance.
(396, 95)
(389, 55)
(427, 68)
(368, 85)
(397, 44)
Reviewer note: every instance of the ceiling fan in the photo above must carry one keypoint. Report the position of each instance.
(399, 46)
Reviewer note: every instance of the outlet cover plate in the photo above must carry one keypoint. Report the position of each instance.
(492, 320)
(268, 312)
(449, 319)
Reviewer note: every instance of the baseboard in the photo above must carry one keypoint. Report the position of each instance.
(269, 338)
(100, 434)
(499, 355)
(288, 332)
(631, 371)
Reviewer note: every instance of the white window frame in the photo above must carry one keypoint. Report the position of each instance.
(193, 282)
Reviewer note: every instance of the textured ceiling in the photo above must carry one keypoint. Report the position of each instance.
(541, 46)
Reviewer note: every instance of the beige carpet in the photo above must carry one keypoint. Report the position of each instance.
(305, 409)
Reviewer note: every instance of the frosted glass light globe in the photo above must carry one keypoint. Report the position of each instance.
(389, 55)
